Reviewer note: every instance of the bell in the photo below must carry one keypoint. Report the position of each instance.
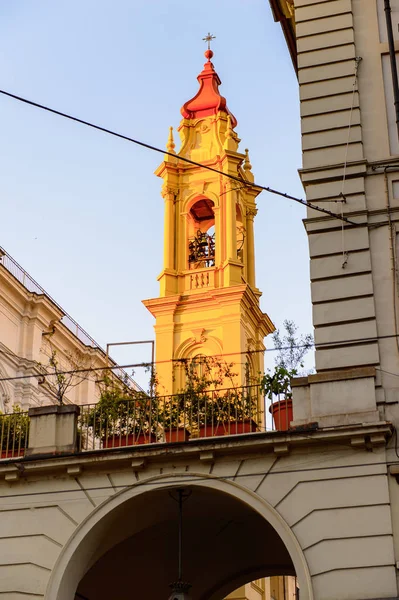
(180, 591)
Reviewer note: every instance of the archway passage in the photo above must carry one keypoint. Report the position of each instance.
(225, 544)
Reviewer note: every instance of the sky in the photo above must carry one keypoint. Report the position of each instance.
(81, 211)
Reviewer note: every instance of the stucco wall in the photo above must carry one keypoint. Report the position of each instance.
(329, 504)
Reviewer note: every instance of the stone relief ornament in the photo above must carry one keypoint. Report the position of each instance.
(199, 336)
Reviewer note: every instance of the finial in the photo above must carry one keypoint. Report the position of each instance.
(247, 163)
(170, 146)
(231, 140)
(208, 38)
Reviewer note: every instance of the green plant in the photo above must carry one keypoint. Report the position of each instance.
(171, 411)
(14, 429)
(122, 411)
(59, 379)
(291, 350)
(211, 394)
(277, 382)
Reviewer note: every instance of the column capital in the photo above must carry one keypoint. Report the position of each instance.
(169, 193)
(251, 213)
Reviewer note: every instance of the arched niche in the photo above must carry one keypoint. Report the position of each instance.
(201, 233)
(127, 547)
(202, 345)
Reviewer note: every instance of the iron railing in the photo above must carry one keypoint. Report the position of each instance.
(167, 419)
(14, 434)
(31, 285)
(179, 418)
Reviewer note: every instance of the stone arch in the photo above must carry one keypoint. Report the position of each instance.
(195, 196)
(210, 346)
(74, 559)
(200, 226)
(202, 344)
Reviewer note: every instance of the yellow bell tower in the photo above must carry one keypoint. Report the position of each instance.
(209, 303)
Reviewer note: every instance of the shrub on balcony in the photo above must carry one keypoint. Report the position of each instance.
(122, 412)
(212, 398)
(276, 383)
(14, 430)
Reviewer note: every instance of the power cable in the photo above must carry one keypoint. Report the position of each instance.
(180, 158)
(147, 365)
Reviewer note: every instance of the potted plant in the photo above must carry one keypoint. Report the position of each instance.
(276, 384)
(212, 409)
(173, 418)
(227, 412)
(123, 417)
(14, 433)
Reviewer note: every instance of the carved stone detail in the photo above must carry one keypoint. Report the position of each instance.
(252, 212)
(167, 192)
(199, 337)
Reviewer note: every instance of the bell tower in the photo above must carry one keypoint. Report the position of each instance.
(209, 302)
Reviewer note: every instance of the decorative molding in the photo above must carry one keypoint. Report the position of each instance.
(167, 191)
(199, 337)
(251, 213)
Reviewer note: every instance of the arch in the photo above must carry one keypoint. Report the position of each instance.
(210, 346)
(206, 346)
(75, 556)
(200, 232)
(195, 196)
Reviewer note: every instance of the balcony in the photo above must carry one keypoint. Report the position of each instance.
(144, 420)
(199, 279)
(166, 419)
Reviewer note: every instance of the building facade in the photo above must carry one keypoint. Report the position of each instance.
(317, 501)
(350, 167)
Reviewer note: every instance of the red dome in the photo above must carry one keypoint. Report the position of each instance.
(207, 100)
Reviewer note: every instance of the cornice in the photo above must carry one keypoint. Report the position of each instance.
(283, 12)
(245, 445)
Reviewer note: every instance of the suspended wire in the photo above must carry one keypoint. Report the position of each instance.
(148, 365)
(343, 198)
(387, 372)
(180, 158)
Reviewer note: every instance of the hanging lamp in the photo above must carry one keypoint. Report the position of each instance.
(180, 588)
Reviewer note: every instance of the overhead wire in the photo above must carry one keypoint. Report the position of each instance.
(179, 158)
(148, 364)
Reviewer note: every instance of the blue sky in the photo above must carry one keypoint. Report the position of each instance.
(82, 211)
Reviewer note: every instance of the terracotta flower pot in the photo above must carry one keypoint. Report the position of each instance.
(11, 454)
(282, 414)
(129, 440)
(176, 434)
(227, 428)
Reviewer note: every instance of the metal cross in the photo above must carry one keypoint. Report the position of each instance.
(208, 38)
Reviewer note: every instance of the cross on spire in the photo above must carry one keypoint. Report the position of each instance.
(208, 38)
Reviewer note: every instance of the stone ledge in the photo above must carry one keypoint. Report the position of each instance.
(355, 373)
(54, 409)
(244, 445)
(335, 398)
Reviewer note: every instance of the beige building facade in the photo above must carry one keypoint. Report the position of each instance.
(318, 501)
(38, 339)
